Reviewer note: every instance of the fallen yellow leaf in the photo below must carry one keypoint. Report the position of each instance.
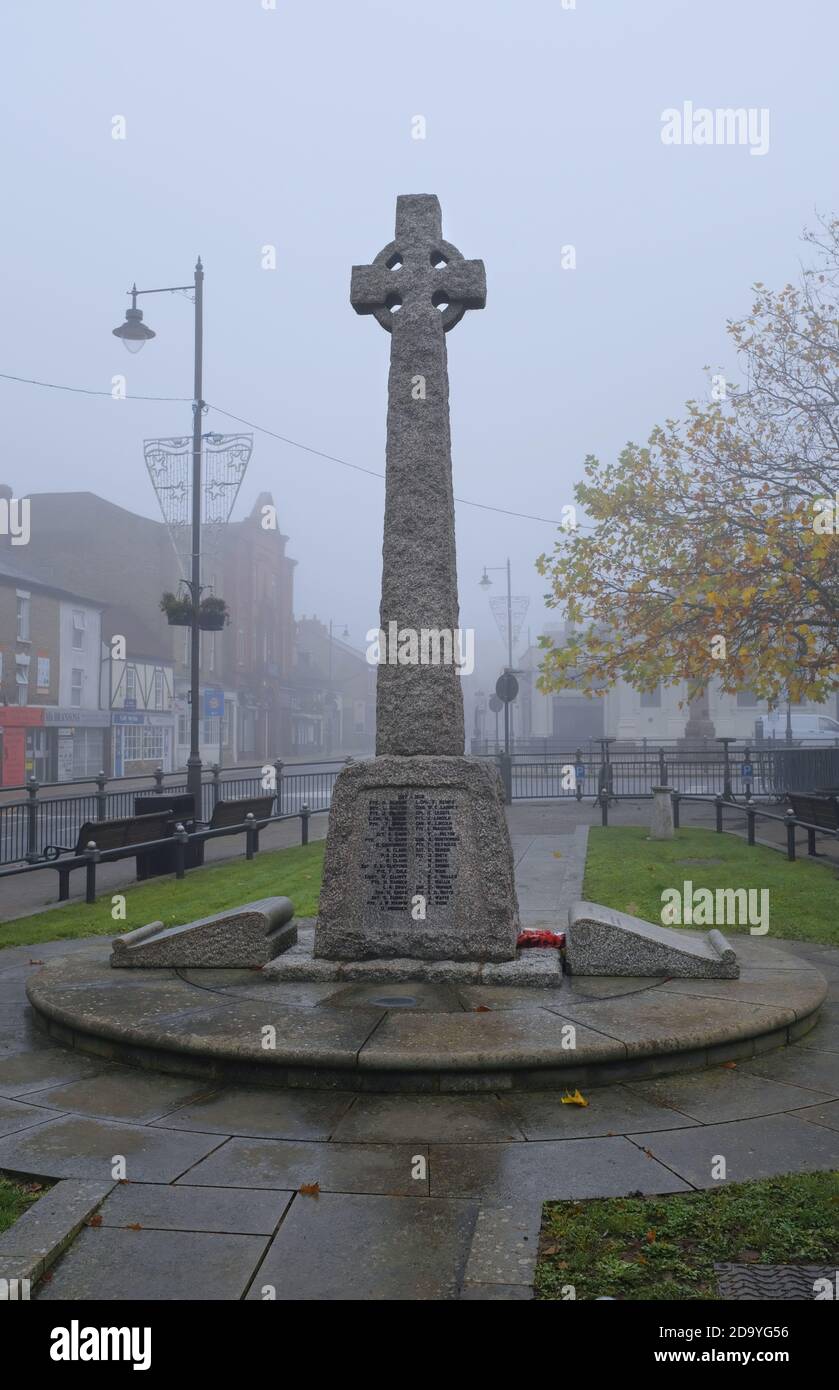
(574, 1098)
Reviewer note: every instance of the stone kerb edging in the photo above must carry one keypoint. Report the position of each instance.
(200, 1027)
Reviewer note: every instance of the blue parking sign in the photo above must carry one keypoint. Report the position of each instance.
(213, 703)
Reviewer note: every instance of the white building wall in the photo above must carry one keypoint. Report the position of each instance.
(85, 658)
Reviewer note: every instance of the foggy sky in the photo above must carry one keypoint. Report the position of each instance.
(248, 127)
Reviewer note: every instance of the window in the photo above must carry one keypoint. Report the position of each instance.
(78, 629)
(23, 603)
(746, 699)
(131, 682)
(158, 688)
(183, 729)
(651, 699)
(22, 678)
(76, 683)
(828, 726)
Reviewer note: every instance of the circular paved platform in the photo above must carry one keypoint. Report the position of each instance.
(419, 1037)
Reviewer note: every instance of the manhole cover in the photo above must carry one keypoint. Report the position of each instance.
(789, 1282)
(394, 1001)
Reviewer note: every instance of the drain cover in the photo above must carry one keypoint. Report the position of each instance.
(756, 1282)
(394, 1001)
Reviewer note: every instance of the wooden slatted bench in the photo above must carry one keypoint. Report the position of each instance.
(118, 833)
(816, 814)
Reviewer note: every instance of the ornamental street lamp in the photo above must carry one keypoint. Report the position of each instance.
(134, 335)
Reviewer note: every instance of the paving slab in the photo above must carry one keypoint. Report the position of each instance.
(110, 1264)
(272, 1114)
(427, 1119)
(800, 1066)
(417, 996)
(46, 1228)
(759, 1148)
(168, 1207)
(721, 1094)
(383, 1169)
(500, 1174)
(825, 1114)
(610, 1110)
(22, 1073)
(803, 991)
(823, 1038)
(505, 1245)
(676, 1022)
(120, 1093)
(408, 1041)
(80, 1147)
(368, 1248)
(16, 1115)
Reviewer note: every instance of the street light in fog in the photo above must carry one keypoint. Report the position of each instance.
(134, 334)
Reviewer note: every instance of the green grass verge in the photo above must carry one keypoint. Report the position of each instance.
(637, 1248)
(292, 873)
(15, 1197)
(628, 871)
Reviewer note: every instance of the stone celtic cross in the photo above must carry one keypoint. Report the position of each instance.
(418, 288)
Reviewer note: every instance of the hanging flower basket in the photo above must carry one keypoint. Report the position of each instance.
(178, 610)
(213, 615)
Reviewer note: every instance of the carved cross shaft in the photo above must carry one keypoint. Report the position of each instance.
(418, 288)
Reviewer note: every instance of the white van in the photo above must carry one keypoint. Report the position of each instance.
(806, 727)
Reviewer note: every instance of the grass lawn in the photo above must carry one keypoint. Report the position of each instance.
(292, 873)
(665, 1247)
(15, 1197)
(626, 870)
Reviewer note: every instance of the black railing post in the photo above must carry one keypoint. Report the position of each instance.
(304, 824)
(676, 799)
(278, 784)
(718, 805)
(181, 842)
(790, 834)
(101, 798)
(604, 806)
(93, 856)
(578, 780)
(158, 782)
(250, 836)
(216, 770)
(750, 823)
(32, 820)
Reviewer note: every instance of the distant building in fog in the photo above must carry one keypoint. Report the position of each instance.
(84, 544)
(51, 724)
(333, 694)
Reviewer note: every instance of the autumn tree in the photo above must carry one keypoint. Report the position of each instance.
(714, 548)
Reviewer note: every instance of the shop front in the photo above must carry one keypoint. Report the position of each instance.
(141, 742)
(23, 745)
(77, 742)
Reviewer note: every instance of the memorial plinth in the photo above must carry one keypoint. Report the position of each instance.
(418, 862)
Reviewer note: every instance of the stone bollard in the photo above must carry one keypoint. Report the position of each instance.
(661, 824)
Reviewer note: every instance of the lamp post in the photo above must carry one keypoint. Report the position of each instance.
(331, 697)
(485, 583)
(134, 335)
